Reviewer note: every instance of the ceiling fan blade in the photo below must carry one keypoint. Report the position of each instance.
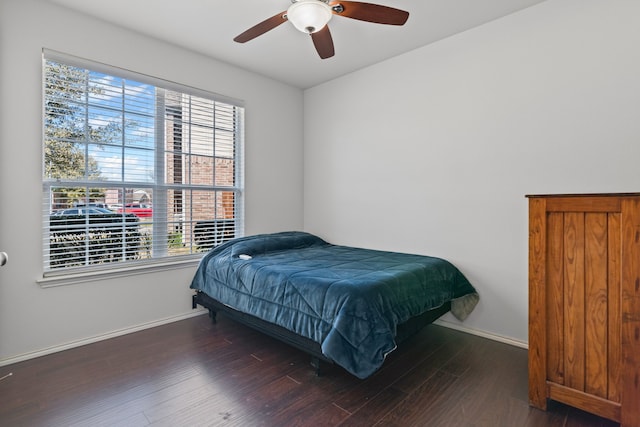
(323, 42)
(261, 28)
(370, 12)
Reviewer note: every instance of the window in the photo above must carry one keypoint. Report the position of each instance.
(136, 170)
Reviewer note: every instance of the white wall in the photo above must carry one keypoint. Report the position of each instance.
(433, 151)
(33, 319)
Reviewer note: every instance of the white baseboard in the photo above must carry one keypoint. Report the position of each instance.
(57, 348)
(161, 322)
(484, 334)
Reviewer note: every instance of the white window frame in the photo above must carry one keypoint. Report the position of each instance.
(159, 260)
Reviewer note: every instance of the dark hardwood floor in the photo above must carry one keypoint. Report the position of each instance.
(194, 373)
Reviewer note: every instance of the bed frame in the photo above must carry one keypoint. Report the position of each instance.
(405, 330)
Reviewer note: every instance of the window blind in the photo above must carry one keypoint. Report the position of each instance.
(135, 170)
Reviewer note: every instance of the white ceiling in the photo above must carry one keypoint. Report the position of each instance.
(284, 53)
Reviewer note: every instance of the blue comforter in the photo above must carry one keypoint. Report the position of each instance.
(350, 300)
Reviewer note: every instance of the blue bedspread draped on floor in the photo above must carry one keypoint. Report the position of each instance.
(350, 300)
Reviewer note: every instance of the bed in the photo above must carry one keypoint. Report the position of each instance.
(344, 305)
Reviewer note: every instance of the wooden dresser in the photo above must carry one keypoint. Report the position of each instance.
(584, 303)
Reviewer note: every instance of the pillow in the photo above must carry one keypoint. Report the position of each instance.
(264, 243)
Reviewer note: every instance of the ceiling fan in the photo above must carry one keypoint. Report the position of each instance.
(312, 16)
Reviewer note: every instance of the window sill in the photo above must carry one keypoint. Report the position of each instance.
(73, 279)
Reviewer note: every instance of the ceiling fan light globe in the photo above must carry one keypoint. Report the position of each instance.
(309, 16)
